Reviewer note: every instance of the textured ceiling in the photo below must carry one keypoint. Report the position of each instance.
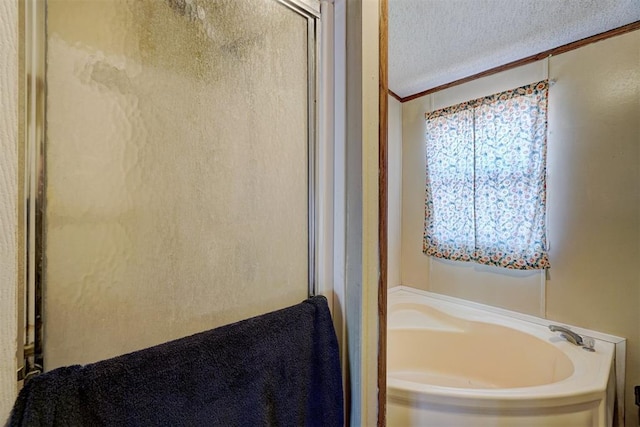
(433, 42)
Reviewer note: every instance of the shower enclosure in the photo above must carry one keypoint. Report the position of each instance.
(171, 169)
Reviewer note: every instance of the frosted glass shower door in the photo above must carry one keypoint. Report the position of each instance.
(177, 164)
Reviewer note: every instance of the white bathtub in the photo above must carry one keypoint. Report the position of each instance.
(450, 364)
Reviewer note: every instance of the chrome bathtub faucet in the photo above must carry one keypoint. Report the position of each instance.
(585, 342)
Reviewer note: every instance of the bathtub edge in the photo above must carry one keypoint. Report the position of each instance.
(619, 351)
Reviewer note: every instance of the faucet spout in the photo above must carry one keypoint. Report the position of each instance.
(568, 334)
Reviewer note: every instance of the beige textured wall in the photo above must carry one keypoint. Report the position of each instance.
(394, 250)
(8, 199)
(594, 200)
(361, 202)
(594, 192)
(370, 266)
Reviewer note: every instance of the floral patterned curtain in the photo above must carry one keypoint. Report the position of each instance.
(486, 180)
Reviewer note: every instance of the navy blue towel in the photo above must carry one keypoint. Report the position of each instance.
(278, 369)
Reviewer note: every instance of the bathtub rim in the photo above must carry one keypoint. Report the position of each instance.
(512, 398)
(411, 391)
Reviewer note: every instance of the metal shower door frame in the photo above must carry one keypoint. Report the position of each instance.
(33, 82)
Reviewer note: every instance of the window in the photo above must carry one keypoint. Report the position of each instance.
(486, 180)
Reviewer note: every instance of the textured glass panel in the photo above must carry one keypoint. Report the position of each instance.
(176, 170)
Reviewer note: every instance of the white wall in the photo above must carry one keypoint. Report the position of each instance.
(394, 182)
(8, 199)
(593, 199)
